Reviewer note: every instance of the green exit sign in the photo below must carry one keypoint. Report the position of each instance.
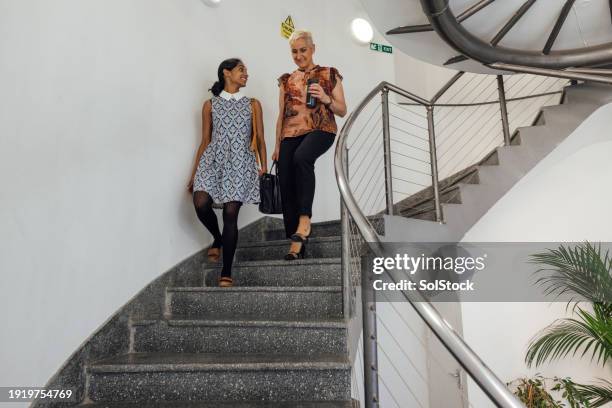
(381, 48)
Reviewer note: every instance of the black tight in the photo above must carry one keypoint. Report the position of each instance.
(230, 235)
(203, 206)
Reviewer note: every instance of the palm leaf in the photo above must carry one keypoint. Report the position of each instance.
(598, 395)
(591, 333)
(582, 273)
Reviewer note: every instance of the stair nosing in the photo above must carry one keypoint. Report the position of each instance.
(282, 242)
(326, 223)
(106, 366)
(191, 367)
(338, 323)
(216, 404)
(281, 262)
(256, 289)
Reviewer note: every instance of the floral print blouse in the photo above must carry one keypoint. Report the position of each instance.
(298, 119)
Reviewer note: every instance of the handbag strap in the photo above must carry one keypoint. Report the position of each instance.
(274, 168)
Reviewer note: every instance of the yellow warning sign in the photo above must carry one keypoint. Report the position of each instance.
(287, 27)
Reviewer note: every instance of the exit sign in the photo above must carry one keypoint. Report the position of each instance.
(381, 48)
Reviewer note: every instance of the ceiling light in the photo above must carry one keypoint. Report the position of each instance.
(211, 3)
(362, 30)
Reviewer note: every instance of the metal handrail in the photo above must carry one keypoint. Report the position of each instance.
(447, 26)
(467, 358)
(369, 233)
(573, 74)
(483, 376)
(515, 99)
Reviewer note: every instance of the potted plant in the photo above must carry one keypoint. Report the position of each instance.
(584, 274)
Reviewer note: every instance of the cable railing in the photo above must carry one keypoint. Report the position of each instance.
(401, 154)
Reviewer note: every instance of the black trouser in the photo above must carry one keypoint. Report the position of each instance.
(296, 161)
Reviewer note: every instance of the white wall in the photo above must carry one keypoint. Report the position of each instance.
(563, 199)
(419, 77)
(99, 121)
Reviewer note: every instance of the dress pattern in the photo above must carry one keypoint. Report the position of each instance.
(228, 168)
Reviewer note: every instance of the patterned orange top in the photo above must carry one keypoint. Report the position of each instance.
(298, 119)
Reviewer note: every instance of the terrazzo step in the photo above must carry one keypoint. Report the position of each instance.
(326, 229)
(308, 301)
(302, 272)
(322, 247)
(240, 334)
(318, 230)
(226, 404)
(220, 377)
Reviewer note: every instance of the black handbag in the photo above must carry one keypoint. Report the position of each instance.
(269, 188)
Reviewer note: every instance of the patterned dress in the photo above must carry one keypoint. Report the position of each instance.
(228, 168)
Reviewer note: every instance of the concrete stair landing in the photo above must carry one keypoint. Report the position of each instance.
(276, 339)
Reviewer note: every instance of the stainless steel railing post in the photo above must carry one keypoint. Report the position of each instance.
(387, 150)
(433, 157)
(370, 341)
(346, 248)
(503, 107)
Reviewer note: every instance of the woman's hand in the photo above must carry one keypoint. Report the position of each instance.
(318, 92)
(264, 168)
(276, 153)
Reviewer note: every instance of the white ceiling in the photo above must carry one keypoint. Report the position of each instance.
(589, 23)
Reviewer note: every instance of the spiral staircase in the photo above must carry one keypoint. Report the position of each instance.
(302, 334)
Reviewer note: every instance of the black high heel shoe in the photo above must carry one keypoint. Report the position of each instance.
(292, 256)
(303, 238)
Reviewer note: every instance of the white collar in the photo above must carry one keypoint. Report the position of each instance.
(227, 96)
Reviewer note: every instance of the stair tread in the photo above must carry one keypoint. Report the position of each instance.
(285, 242)
(155, 362)
(257, 289)
(221, 404)
(330, 222)
(240, 320)
(282, 262)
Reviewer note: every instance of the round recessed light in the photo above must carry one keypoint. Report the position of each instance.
(211, 3)
(362, 30)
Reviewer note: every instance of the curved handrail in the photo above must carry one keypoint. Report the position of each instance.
(577, 74)
(454, 34)
(454, 343)
(368, 232)
(493, 102)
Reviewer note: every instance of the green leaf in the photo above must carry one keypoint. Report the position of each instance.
(583, 273)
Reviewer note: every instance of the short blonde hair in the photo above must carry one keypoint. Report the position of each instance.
(297, 34)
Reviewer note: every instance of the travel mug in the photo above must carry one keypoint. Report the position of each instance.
(311, 101)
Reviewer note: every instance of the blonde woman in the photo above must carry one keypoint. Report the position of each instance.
(304, 131)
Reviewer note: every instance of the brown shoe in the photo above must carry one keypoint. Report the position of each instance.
(225, 282)
(214, 254)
